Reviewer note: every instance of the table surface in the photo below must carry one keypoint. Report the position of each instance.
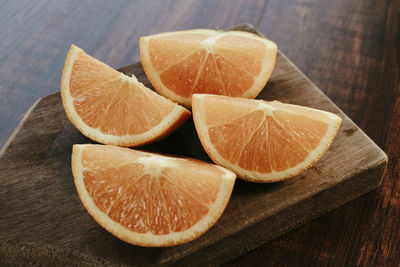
(349, 48)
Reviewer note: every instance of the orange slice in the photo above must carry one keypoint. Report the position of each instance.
(262, 141)
(112, 108)
(148, 199)
(182, 63)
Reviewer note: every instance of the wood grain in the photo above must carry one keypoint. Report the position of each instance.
(349, 48)
(38, 209)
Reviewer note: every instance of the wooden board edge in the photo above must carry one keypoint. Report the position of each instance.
(18, 128)
(294, 217)
(18, 253)
(22, 122)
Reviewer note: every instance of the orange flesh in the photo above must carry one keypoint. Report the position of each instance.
(171, 202)
(187, 66)
(112, 102)
(263, 143)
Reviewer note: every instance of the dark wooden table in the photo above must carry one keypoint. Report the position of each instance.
(349, 48)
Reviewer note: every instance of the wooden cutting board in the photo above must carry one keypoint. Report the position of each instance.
(43, 221)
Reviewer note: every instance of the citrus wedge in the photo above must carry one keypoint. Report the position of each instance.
(182, 63)
(112, 108)
(262, 141)
(148, 199)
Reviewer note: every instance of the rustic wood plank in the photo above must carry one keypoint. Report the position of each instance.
(39, 199)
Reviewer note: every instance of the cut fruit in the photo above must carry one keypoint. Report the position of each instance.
(231, 63)
(262, 141)
(112, 108)
(147, 199)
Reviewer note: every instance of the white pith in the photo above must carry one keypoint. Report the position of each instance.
(252, 92)
(149, 239)
(154, 164)
(95, 133)
(273, 176)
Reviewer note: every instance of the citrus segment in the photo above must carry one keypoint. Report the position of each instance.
(149, 199)
(262, 141)
(182, 63)
(112, 108)
(181, 77)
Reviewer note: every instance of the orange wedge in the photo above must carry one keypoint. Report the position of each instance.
(262, 141)
(112, 108)
(147, 199)
(182, 63)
